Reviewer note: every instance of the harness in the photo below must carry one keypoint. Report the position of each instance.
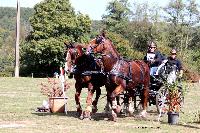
(116, 70)
(128, 77)
(141, 70)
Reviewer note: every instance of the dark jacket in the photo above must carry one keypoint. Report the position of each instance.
(157, 57)
(176, 62)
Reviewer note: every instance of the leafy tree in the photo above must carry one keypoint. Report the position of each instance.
(144, 26)
(53, 22)
(182, 17)
(124, 47)
(117, 16)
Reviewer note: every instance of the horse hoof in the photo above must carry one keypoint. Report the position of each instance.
(87, 115)
(81, 117)
(94, 110)
(143, 114)
(114, 116)
(118, 109)
(79, 113)
(88, 118)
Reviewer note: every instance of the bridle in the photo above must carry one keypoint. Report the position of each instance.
(73, 56)
(98, 43)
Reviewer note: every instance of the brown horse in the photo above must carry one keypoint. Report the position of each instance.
(87, 74)
(124, 74)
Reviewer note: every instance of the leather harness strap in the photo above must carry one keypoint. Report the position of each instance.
(141, 71)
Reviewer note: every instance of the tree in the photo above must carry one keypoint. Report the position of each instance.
(145, 25)
(53, 22)
(117, 16)
(182, 17)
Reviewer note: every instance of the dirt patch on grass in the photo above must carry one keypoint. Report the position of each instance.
(15, 124)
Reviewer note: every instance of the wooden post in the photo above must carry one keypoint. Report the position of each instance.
(17, 40)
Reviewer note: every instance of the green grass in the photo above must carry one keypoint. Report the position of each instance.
(19, 97)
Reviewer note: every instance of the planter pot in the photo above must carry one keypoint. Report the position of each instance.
(173, 117)
(57, 104)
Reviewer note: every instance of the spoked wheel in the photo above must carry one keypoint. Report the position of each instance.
(162, 100)
(181, 97)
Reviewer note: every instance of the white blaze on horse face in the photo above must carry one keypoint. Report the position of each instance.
(68, 62)
(89, 50)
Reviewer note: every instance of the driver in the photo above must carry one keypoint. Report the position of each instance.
(153, 57)
(172, 60)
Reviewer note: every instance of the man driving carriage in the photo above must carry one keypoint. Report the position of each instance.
(172, 61)
(153, 57)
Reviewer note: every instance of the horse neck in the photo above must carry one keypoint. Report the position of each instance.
(110, 49)
(108, 62)
(110, 56)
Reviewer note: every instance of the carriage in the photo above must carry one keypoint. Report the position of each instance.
(158, 91)
(110, 67)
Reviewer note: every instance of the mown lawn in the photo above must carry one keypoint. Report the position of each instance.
(19, 97)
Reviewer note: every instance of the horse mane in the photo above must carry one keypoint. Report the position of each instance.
(111, 45)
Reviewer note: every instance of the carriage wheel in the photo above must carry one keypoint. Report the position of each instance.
(161, 100)
(181, 96)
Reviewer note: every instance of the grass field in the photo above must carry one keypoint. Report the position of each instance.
(19, 97)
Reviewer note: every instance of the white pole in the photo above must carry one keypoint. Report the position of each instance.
(17, 40)
(62, 79)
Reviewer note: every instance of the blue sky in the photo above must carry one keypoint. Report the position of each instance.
(94, 8)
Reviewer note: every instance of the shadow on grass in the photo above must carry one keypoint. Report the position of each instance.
(96, 116)
(69, 114)
(188, 126)
(181, 125)
(99, 116)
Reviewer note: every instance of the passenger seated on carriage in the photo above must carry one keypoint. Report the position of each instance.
(172, 60)
(153, 57)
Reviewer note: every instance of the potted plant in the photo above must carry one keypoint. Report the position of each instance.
(56, 98)
(175, 101)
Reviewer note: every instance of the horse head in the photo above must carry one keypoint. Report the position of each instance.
(103, 46)
(168, 73)
(73, 52)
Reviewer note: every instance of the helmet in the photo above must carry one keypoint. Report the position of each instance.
(173, 51)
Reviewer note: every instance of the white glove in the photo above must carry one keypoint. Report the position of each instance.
(181, 74)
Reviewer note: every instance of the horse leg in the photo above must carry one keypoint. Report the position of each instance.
(116, 108)
(109, 90)
(87, 113)
(94, 103)
(77, 98)
(130, 107)
(108, 103)
(144, 100)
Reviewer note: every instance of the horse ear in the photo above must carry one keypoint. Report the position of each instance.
(72, 44)
(66, 45)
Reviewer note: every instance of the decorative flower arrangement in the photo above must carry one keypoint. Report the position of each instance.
(53, 88)
(175, 97)
(174, 100)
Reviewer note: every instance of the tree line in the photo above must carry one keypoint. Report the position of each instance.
(128, 25)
